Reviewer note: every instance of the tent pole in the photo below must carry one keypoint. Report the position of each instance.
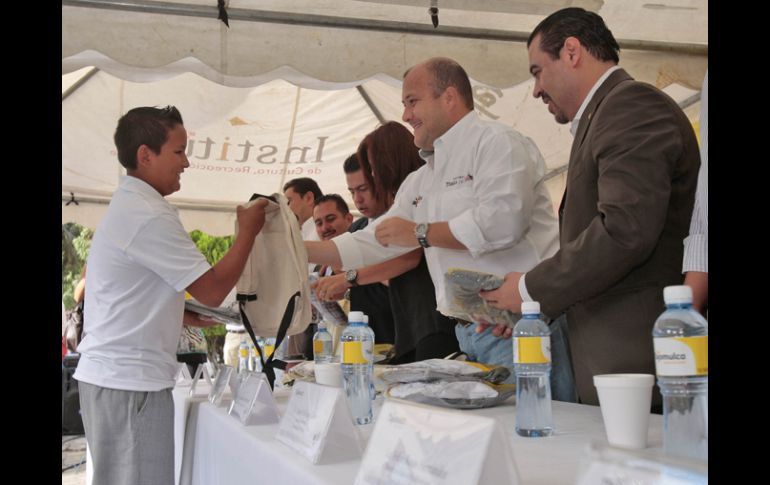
(370, 103)
(79, 83)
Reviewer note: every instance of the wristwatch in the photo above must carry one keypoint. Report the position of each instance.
(421, 233)
(351, 276)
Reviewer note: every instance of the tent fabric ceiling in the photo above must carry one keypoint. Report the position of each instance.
(266, 102)
(344, 41)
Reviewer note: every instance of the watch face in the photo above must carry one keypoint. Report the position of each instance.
(421, 229)
(351, 275)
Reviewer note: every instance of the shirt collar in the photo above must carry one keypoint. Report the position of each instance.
(576, 121)
(455, 134)
(134, 184)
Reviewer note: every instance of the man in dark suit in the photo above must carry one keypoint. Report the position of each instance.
(626, 208)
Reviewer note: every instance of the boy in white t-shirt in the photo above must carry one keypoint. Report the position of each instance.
(140, 264)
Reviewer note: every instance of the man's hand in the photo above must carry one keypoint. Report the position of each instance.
(251, 219)
(396, 231)
(500, 330)
(699, 282)
(331, 288)
(506, 297)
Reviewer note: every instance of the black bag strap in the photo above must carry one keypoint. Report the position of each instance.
(271, 363)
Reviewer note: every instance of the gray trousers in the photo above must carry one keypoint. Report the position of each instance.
(130, 435)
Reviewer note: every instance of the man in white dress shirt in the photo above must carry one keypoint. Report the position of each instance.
(478, 203)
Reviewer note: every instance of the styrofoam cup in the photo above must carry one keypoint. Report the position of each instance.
(625, 402)
(328, 374)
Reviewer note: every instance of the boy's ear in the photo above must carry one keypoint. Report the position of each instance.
(143, 155)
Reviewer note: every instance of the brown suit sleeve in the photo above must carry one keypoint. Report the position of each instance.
(617, 198)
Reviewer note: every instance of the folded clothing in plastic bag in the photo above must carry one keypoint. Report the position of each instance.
(462, 288)
(448, 383)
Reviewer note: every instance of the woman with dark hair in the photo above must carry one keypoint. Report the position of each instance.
(386, 157)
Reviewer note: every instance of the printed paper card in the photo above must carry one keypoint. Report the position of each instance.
(212, 368)
(201, 371)
(318, 425)
(254, 402)
(413, 443)
(220, 384)
(606, 464)
(183, 376)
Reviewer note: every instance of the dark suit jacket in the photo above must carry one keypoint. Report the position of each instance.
(622, 221)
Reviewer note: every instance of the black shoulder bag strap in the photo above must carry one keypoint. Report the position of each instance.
(271, 362)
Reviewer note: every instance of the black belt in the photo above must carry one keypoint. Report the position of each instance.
(237, 331)
(460, 321)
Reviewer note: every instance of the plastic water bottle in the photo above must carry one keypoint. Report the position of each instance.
(357, 367)
(243, 356)
(532, 366)
(322, 344)
(372, 390)
(254, 364)
(680, 338)
(269, 348)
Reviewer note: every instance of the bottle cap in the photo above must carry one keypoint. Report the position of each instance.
(677, 294)
(366, 319)
(355, 316)
(530, 307)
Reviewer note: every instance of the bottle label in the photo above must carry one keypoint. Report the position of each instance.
(243, 352)
(318, 347)
(356, 353)
(531, 350)
(269, 349)
(681, 356)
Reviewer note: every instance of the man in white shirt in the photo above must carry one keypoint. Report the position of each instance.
(301, 193)
(696, 245)
(478, 203)
(140, 264)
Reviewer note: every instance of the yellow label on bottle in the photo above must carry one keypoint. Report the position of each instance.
(682, 356)
(353, 353)
(531, 350)
(243, 352)
(269, 349)
(318, 347)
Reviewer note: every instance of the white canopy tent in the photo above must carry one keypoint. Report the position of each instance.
(291, 88)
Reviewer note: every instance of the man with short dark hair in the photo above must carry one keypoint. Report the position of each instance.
(627, 204)
(301, 193)
(331, 216)
(140, 264)
(363, 196)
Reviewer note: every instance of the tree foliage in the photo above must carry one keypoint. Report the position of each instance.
(76, 243)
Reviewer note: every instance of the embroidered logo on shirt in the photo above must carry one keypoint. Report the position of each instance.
(460, 179)
(417, 200)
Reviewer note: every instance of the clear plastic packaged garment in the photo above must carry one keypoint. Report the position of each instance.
(448, 383)
(462, 288)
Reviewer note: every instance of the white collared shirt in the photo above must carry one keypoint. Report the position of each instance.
(486, 180)
(140, 263)
(576, 121)
(696, 244)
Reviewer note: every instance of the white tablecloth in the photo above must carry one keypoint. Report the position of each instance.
(183, 404)
(219, 450)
